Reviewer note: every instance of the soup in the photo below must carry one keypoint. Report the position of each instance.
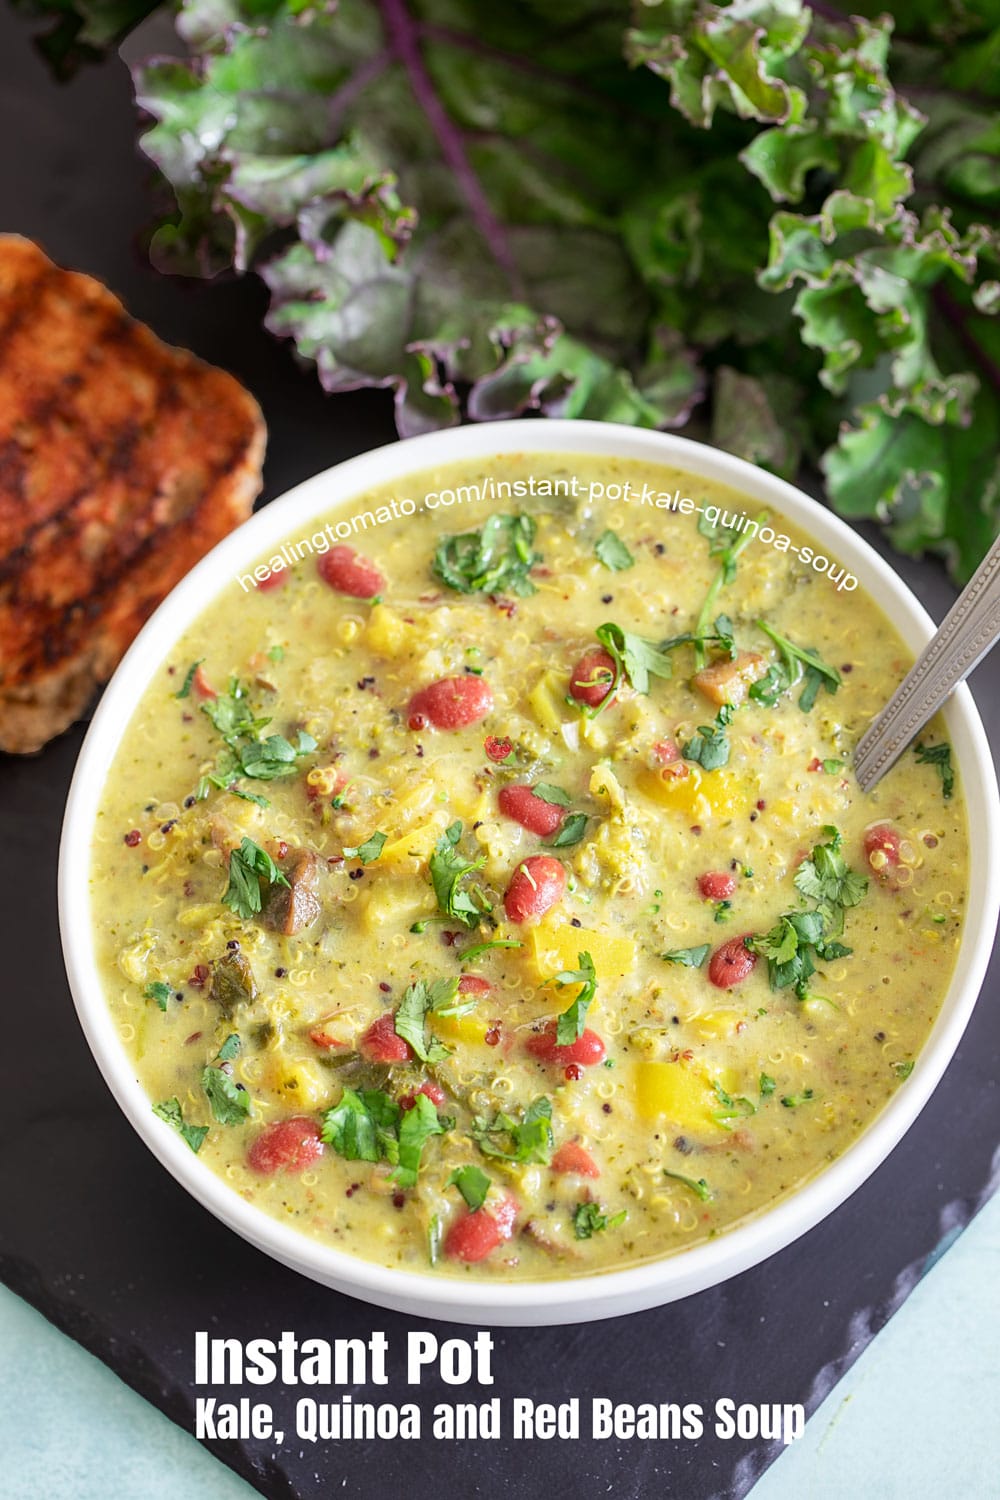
(481, 885)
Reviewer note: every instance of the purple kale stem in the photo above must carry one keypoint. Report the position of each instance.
(345, 97)
(402, 37)
(954, 314)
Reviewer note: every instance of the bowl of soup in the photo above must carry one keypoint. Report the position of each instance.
(466, 893)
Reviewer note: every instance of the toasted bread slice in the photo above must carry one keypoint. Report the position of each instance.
(122, 461)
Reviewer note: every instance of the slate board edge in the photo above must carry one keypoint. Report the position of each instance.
(133, 1367)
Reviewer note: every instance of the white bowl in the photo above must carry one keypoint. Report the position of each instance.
(610, 1293)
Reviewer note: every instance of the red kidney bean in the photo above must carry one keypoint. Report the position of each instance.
(349, 573)
(537, 885)
(451, 703)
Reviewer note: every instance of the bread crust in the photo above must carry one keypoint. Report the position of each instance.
(122, 462)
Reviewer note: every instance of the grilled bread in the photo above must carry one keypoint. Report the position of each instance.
(122, 461)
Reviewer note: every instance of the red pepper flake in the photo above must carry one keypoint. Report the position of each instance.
(194, 1037)
(505, 606)
(761, 805)
(417, 721)
(497, 749)
(449, 939)
(200, 976)
(282, 849)
(573, 1073)
(814, 765)
(133, 837)
(385, 988)
(492, 1037)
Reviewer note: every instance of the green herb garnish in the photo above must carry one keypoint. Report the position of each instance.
(570, 1025)
(526, 1140)
(612, 552)
(473, 1184)
(691, 958)
(767, 1085)
(248, 866)
(590, 1219)
(230, 1104)
(902, 1069)
(792, 1101)
(698, 1186)
(370, 850)
(549, 793)
(184, 691)
(793, 663)
(418, 1000)
(159, 992)
(730, 1108)
(495, 559)
(448, 870)
(940, 756)
(170, 1110)
(570, 832)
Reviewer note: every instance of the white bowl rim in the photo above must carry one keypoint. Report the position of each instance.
(609, 1293)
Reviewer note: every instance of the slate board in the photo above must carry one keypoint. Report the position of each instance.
(96, 1234)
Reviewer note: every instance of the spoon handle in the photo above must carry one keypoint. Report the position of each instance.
(969, 631)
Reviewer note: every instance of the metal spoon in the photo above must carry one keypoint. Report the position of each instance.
(969, 632)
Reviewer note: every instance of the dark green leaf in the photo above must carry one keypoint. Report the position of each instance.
(411, 1014)
(590, 1219)
(369, 851)
(473, 1184)
(449, 870)
(526, 1140)
(570, 832)
(550, 793)
(495, 559)
(362, 1127)
(940, 756)
(570, 1025)
(416, 1126)
(248, 866)
(698, 1186)
(230, 1104)
(159, 992)
(185, 687)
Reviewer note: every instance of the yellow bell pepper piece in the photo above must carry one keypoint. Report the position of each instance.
(387, 633)
(700, 795)
(470, 1029)
(675, 1091)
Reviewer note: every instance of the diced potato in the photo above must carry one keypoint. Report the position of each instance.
(299, 1083)
(677, 1092)
(699, 795)
(717, 1023)
(555, 946)
(547, 700)
(392, 904)
(729, 681)
(417, 844)
(388, 633)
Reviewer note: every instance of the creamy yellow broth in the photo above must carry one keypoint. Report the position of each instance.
(709, 1103)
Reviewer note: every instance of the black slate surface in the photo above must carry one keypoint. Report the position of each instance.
(96, 1234)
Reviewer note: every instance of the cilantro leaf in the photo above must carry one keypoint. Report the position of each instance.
(184, 691)
(709, 747)
(526, 1140)
(940, 756)
(826, 877)
(783, 675)
(473, 1184)
(495, 559)
(230, 1048)
(370, 850)
(767, 1085)
(698, 1186)
(570, 1025)
(590, 1219)
(416, 1126)
(690, 958)
(635, 659)
(230, 1104)
(448, 870)
(612, 552)
(362, 1127)
(170, 1110)
(261, 759)
(248, 866)
(418, 999)
(158, 991)
(570, 831)
(550, 793)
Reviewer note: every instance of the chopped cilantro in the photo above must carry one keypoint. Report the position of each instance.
(698, 1186)
(902, 1069)
(159, 992)
(230, 1104)
(473, 1184)
(248, 866)
(448, 870)
(825, 876)
(730, 1108)
(612, 552)
(767, 1085)
(709, 747)
(230, 1048)
(170, 1110)
(184, 691)
(550, 793)
(792, 1101)
(417, 1125)
(418, 999)
(527, 1140)
(570, 832)
(370, 850)
(794, 663)
(635, 659)
(276, 653)
(570, 1024)
(691, 958)
(726, 543)
(262, 759)
(590, 1219)
(723, 910)
(497, 558)
(940, 756)
(362, 1127)
(831, 767)
(468, 954)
